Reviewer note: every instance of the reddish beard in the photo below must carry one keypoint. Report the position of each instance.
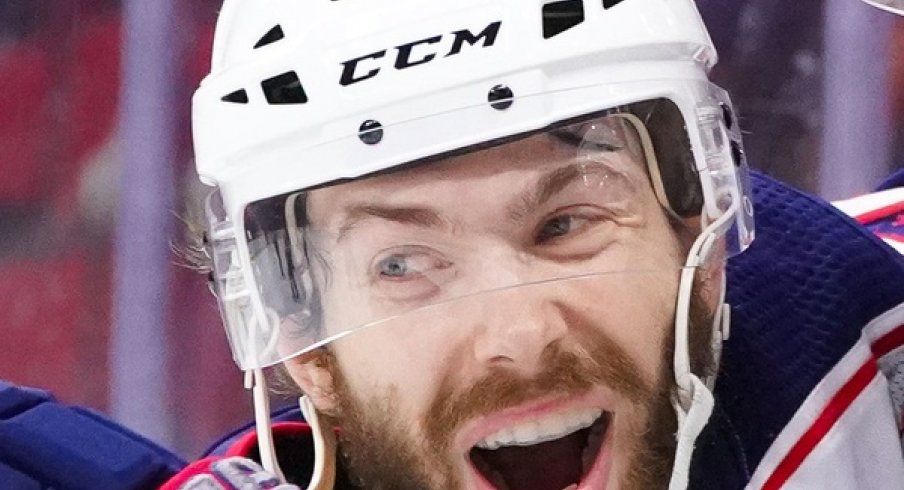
(380, 453)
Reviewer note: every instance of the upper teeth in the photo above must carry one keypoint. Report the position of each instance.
(548, 428)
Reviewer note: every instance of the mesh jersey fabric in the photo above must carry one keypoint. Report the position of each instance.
(800, 298)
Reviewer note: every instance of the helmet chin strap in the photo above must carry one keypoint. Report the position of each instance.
(324, 475)
(255, 381)
(694, 401)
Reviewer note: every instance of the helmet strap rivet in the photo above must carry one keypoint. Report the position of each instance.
(500, 97)
(370, 132)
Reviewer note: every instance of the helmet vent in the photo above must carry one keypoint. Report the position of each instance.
(273, 35)
(608, 4)
(237, 97)
(560, 16)
(284, 89)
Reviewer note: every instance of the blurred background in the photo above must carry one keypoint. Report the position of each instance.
(96, 176)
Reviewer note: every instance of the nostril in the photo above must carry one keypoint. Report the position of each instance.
(501, 360)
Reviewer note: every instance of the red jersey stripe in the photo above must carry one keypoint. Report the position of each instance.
(826, 420)
(877, 214)
(889, 342)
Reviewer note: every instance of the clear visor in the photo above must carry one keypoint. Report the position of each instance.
(596, 203)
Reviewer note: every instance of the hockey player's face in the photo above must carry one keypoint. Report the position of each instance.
(549, 385)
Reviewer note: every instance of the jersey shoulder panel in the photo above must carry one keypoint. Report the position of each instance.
(801, 298)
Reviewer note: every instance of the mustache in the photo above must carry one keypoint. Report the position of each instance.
(565, 373)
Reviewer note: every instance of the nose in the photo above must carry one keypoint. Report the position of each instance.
(515, 327)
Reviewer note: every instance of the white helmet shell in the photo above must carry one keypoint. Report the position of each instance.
(329, 66)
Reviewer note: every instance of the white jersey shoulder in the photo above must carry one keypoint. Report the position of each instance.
(847, 433)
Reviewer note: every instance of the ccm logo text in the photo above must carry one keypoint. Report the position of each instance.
(351, 73)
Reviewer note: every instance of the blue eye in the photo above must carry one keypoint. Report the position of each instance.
(394, 266)
(410, 273)
(409, 264)
(556, 227)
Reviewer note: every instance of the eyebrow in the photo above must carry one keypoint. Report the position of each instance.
(547, 186)
(423, 217)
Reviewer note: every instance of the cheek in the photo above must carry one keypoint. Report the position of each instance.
(646, 301)
(400, 360)
(634, 309)
(642, 311)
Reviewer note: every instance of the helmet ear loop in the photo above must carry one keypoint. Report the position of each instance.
(324, 474)
(325, 446)
(649, 153)
(721, 320)
(255, 381)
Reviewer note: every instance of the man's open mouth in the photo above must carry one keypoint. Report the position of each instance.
(553, 453)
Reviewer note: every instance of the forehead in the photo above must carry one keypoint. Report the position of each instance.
(498, 170)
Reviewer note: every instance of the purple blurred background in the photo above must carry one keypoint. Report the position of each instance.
(95, 168)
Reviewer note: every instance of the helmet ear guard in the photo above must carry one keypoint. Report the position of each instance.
(670, 155)
(679, 182)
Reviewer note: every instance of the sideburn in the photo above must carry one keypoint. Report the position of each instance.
(372, 444)
(654, 458)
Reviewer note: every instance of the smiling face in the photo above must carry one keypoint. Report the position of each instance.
(521, 300)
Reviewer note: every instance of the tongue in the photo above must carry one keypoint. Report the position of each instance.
(552, 465)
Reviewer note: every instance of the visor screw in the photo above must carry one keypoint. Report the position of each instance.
(500, 97)
(370, 132)
(727, 115)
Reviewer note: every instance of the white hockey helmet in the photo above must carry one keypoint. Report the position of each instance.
(893, 6)
(307, 94)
